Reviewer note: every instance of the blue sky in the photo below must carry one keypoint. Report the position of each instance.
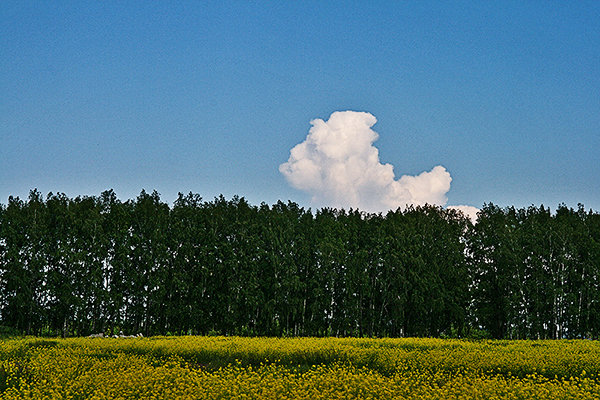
(210, 97)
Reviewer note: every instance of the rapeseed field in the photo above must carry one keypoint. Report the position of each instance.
(298, 368)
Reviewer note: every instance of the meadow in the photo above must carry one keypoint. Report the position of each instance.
(195, 367)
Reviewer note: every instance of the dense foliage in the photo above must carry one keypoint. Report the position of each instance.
(97, 264)
(297, 368)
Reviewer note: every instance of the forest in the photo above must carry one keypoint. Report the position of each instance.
(76, 266)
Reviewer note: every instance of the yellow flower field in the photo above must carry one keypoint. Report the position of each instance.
(300, 368)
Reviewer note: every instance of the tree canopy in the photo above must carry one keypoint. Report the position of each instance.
(98, 264)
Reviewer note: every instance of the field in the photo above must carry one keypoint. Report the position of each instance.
(299, 368)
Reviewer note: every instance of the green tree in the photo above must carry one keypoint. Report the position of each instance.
(493, 251)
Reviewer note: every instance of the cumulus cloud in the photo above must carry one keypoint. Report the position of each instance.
(469, 211)
(338, 166)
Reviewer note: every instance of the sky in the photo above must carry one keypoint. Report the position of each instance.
(455, 103)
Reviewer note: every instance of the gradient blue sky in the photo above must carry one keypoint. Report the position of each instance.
(210, 97)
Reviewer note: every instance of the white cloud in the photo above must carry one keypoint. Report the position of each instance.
(338, 166)
(469, 211)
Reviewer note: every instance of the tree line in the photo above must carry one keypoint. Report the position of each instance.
(75, 266)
